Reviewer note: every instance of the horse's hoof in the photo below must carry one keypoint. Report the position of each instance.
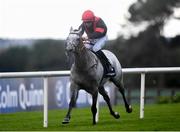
(66, 120)
(116, 115)
(94, 123)
(129, 109)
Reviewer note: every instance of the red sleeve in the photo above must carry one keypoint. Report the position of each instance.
(98, 29)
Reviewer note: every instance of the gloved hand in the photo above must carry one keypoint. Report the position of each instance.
(85, 38)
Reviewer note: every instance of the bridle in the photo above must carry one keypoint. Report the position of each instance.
(80, 41)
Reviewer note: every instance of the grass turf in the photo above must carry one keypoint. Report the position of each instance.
(164, 117)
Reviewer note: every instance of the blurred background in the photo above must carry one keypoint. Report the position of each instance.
(142, 33)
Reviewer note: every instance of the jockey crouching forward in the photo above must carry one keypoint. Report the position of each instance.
(96, 30)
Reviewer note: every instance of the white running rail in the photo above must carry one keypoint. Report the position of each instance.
(46, 74)
(143, 71)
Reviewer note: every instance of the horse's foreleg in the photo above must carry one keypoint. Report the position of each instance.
(103, 92)
(93, 107)
(74, 94)
(122, 91)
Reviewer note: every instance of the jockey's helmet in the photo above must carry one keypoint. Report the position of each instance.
(88, 15)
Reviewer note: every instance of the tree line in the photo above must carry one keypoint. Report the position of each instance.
(149, 48)
(44, 54)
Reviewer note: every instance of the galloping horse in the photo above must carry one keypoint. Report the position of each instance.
(87, 73)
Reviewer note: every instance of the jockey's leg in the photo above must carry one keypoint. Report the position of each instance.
(95, 44)
(108, 69)
(99, 44)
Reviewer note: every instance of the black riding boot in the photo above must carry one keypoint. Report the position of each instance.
(108, 69)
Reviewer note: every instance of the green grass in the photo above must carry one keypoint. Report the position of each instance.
(163, 117)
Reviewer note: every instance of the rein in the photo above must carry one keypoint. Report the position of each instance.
(83, 47)
(80, 41)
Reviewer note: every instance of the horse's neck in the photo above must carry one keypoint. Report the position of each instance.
(84, 59)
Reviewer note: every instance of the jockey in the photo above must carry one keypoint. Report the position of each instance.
(96, 30)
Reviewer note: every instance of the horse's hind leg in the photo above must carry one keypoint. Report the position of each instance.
(120, 86)
(103, 92)
(74, 94)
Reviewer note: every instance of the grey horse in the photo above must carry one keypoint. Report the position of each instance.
(87, 74)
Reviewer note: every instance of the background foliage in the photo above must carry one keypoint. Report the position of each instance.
(147, 49)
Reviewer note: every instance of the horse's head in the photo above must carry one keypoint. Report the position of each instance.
(73, 40)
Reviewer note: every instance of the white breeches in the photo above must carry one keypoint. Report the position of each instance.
(96, 44)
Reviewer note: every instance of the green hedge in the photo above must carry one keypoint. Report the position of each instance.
(168, 99)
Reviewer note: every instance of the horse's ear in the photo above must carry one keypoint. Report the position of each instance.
(71, 29)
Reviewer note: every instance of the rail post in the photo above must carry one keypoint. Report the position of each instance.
(45, 82)
(142, 95)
